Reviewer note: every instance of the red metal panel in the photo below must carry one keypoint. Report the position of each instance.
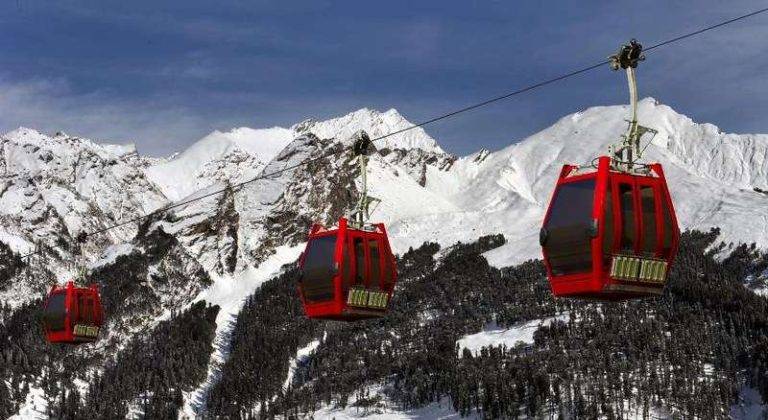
(390, 261)
(616, 208)
(68, 304)
(338, 258)
(601, 185)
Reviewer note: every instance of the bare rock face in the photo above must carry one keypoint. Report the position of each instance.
(319, 192)
(416, 161)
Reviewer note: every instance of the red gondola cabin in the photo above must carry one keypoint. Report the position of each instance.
(72, 314)
(347, 274)
(609, 235)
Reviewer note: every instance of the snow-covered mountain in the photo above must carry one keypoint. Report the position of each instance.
(57, 186)
(220, 156)
(243, 152)
(54, 187)
(712, 178)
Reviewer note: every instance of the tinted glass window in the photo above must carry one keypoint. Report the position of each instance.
(608, 228)
(572, 204)
(568, 242)
(668, 230)
(320, 254)
(346, 266)
(55, 312)
(387, 270)
(359, 261)
(628, 233)
(373, 248)
(84, 310)
(648, 203)
(319, 267)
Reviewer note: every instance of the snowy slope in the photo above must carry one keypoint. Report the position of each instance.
(494, 336)
(711, 177)
(233, 155)
(427, 194)
(54, 187)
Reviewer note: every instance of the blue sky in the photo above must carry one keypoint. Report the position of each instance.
(162, 74)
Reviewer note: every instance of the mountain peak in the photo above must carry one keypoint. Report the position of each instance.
(25, 134)
(376, 124)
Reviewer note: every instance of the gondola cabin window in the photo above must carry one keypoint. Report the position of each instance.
(627, 202)
(648, 205)
(55, 312)
(373, 248)
(568, 226)
(319, 269)
(84, 309)
(359, 261)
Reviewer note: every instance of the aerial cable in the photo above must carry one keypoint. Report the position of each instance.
(421, 124)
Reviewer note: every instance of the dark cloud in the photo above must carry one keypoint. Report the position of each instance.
(162, 74)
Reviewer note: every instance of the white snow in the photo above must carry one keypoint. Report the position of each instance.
(376, 124)
(111, 254)
(494, 336)
(385, 410)
(55, 184)
(34, 407)
(186, 173)
(434, 411)
(16, 242)
(711, 175)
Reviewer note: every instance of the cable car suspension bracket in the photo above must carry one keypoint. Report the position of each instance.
(365, 203)
(626, 154)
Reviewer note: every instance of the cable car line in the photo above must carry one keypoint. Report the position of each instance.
(708, 28)
(421, 124)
